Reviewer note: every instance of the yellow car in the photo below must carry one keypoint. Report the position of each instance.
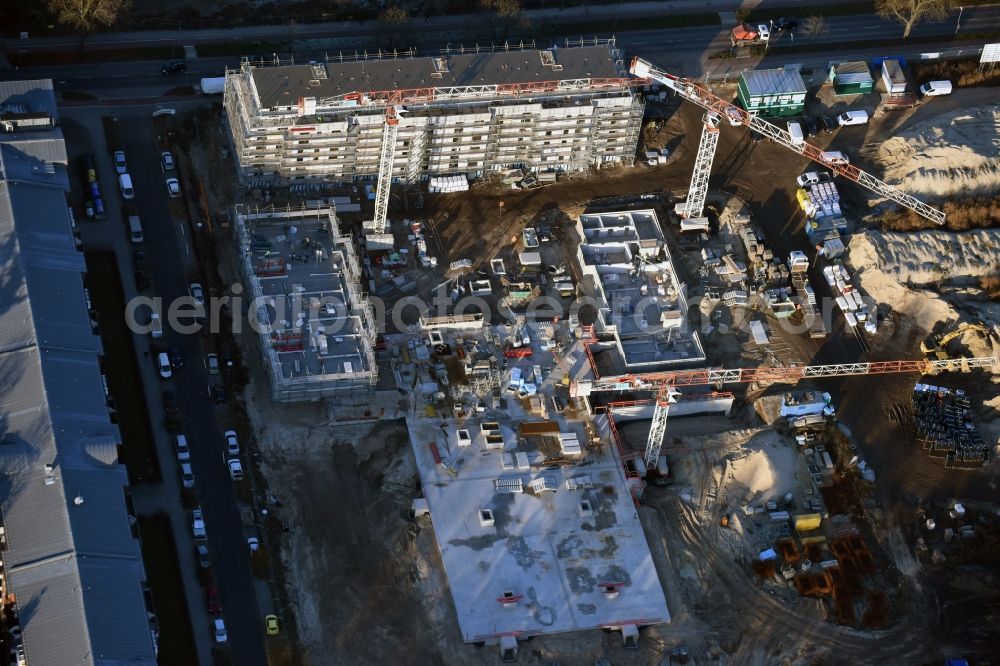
(271, 625)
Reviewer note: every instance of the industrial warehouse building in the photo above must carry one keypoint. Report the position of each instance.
(851, 78)
(72, 575)
(561, 109)
(772, 92)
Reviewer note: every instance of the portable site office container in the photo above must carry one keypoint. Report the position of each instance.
(772, 92)
(851, 78)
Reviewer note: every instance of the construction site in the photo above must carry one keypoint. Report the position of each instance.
(702, 401)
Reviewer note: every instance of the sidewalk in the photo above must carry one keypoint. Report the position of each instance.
(293, 30)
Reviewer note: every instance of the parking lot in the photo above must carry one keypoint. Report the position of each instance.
(183, 404)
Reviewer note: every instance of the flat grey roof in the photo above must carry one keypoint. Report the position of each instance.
(283, 86)
(72, 563)
(773, 82)
(551, 549)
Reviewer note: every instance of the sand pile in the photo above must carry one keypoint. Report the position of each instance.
(926, 257)
(954, 152)
(767, 471)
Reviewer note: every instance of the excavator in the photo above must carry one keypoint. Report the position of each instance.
(936, 346)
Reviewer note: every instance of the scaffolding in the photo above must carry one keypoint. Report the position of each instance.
(297, 379)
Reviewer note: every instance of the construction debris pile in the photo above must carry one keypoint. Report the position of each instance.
(943, 419)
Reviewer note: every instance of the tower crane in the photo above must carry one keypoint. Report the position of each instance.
(737, 116)
(387, 156)
(665, 383)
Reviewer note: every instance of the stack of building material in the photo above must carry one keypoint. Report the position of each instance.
(444, 184)
(569, 444)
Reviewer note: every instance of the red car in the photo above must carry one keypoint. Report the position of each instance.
(214, 605)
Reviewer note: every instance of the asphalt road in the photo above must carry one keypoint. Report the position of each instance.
(681, 50)
(166, 250)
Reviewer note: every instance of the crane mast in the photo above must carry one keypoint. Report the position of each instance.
(737, 116)
(694, 207)
(387, 156)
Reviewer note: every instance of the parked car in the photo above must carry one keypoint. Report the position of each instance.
(176, 357)
(183, 451)
(786, 23)
(813, 177)
(828, 123)
(219, 395)
(212, 363)
(120, 165)
(173, 67)
(271, 625)
(197, 293)
(167, 160)
(187, 476)
(173, 188)
(809, 125)
(163, 362)
(212, 598)
(853, 118)
(935, 88)
(198, 524)
(201, 555)
(795, 132)
(235, 469)
(219, 629)
(170, 403)
(834, 157)
(253, 543)
(232, 443)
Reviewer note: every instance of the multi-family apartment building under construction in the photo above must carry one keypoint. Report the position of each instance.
(559, 109)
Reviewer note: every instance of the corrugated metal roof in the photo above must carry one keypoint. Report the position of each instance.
(283, 86)
(773, 82)
(852, 72)
(37, 95)
(75, 568)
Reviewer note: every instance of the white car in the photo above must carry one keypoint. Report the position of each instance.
(764, 32)
(187, 476)
(219, 630)
(120, 165)
(155, 326)
(197, 294)
(183, 451)
(232, 443)
(235, 469)
(834, 157)
(253, 543)
(163, 362)
(212, 363)
(167, 160)
(198, 524)
(935, 88)
(812, 177)
(173, 188)
(853, 118)
(795, 133)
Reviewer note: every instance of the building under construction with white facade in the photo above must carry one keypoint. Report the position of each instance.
(643, 305)
(316, 329)
(559, 109)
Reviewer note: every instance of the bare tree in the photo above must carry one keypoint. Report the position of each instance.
(912, 12)
(505, 16)
(814, 26)
(392, 23)
(87, 15)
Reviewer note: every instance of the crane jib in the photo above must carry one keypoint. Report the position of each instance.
(710, 102)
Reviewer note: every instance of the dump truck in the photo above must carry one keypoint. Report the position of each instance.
(746, 34)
